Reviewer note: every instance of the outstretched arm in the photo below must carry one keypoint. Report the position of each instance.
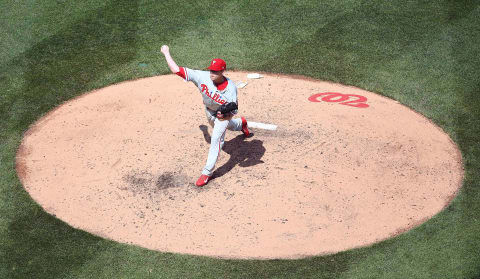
(171, 64)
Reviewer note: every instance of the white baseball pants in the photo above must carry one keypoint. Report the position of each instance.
(220, 127)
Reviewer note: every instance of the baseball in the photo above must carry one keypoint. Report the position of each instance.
(164, 49)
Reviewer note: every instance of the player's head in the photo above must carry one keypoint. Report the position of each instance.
(217, 67)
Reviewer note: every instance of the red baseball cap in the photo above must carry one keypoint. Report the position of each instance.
(217, 64)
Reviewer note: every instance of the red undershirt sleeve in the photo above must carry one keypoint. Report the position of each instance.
(181, 73)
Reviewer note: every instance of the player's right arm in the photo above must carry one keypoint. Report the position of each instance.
(171, 63)
(183, 72)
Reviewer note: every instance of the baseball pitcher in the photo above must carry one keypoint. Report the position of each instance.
(219, 95)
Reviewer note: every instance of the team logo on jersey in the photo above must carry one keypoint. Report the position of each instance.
(215, 97)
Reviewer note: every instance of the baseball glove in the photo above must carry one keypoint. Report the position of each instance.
(226, 110)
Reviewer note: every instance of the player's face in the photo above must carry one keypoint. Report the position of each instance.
(216, 76)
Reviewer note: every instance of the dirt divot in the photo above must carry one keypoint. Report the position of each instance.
(345, 168)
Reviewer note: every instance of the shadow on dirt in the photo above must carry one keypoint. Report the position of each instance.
(242, 153)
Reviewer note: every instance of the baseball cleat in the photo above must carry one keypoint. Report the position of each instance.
(203, 180)
(245, 130)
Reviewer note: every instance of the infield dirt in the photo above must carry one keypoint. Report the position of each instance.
(121, 162)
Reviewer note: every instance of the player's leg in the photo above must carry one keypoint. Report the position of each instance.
(239, 124)
(216, 144)
(211, 120)
(235, 124)
(210, 114)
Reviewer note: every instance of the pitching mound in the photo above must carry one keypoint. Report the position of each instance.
(345, 168)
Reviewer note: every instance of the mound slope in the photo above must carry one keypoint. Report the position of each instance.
(346, 168)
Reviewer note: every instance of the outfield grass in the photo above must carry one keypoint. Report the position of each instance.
(426, 54)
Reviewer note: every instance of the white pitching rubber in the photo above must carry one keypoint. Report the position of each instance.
(263, 126)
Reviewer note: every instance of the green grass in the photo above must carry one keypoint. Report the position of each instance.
(426, 54)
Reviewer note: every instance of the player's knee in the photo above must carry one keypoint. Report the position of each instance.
(216, 138)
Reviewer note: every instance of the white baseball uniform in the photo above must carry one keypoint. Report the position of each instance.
(213, 96)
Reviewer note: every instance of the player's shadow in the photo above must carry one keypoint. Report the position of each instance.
(242, 153)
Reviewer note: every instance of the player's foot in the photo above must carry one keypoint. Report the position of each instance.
(203, 180)
(245, 130)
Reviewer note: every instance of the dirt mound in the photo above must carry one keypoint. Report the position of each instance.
(345, 168)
